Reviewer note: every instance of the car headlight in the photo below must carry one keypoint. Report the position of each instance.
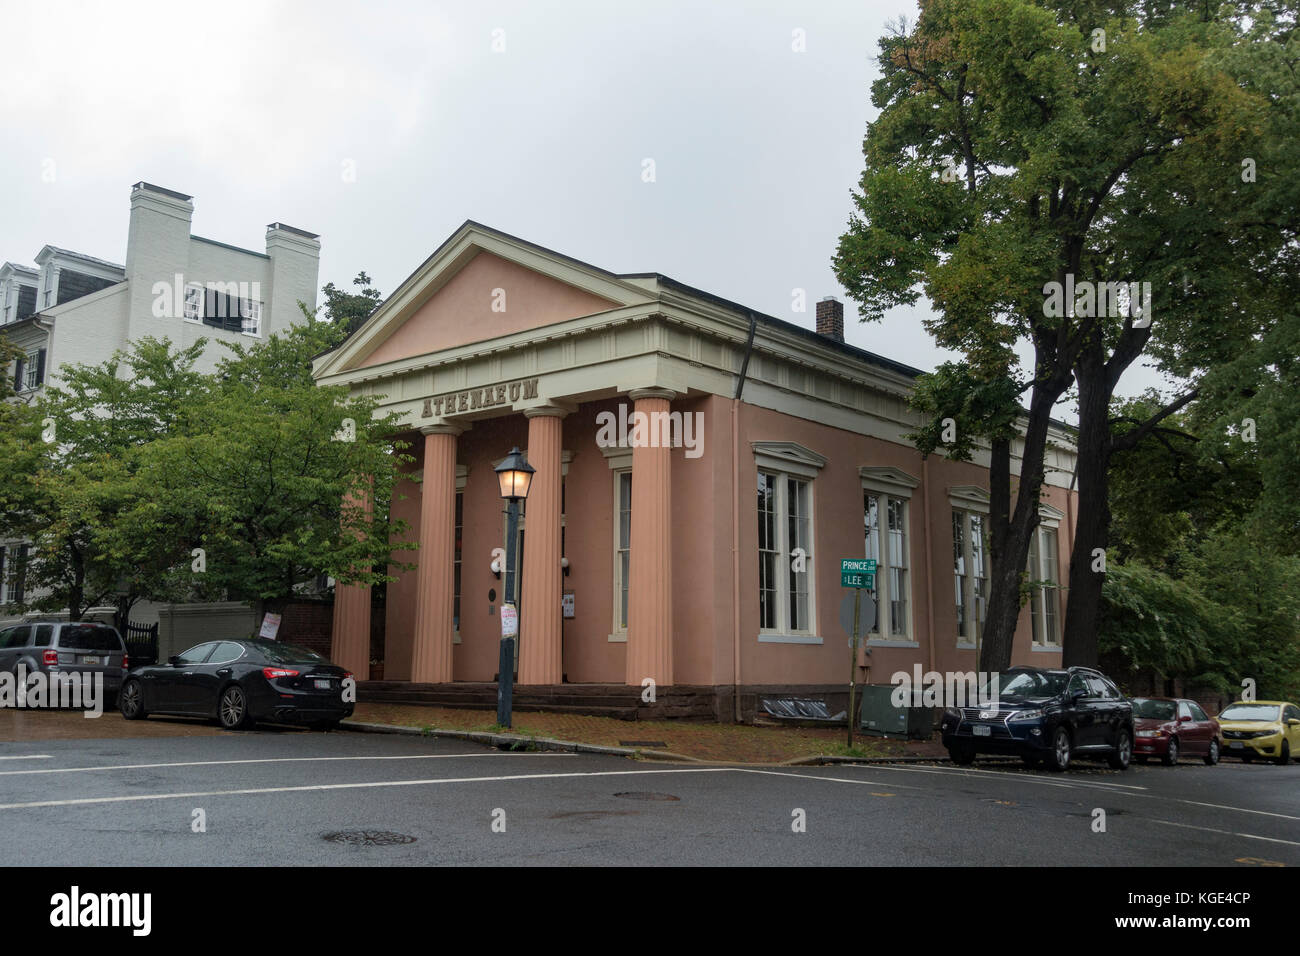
(1148, 733)
(951, 712)
(1026, 715)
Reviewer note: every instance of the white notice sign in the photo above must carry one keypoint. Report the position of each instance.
(509, 620)
(270, 626)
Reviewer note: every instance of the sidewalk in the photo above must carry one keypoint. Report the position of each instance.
(738, 743)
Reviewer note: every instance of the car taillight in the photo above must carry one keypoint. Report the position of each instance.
(126, 661)
(347, 674)
(271, 673)
(50, 657)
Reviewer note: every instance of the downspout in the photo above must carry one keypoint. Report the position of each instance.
(735, 520)
(929, 562)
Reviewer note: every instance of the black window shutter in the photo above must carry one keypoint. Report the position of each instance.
(18, 376)
(211, 310)
(40, 367)
(4, 580)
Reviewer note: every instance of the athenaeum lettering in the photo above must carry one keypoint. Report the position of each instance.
(473, 398)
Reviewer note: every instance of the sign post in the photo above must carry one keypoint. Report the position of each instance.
(856, 574)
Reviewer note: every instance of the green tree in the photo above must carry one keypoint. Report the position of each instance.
(350, 309)
(1016, 153)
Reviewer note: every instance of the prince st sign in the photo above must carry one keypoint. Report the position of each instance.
(858, 573)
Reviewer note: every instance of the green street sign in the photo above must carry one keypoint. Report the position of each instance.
(858, 573)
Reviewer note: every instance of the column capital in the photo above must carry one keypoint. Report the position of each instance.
(667, 394)
(446, 428)
(546, 411)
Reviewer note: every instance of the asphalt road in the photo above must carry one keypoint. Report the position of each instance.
(284, 798)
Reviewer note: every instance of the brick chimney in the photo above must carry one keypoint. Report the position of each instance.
(830, 318)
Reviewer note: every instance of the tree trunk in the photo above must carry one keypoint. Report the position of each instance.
(1009, 538)
(1092, 528)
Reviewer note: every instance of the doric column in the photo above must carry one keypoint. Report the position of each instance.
(650, 587)
(435, 571)
(350, 630)
(540, 655)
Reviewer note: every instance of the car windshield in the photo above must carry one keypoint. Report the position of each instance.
(1250, 712)
(1027, 684)
(278, 653)
(1153, 709)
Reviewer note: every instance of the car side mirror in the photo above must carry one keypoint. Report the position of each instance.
(1078, 694)
(174, 661)
(1292, 722)
(1185, 719)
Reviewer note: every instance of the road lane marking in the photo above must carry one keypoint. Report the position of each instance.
(1117, 788)
(1066, 782)
(353, 786)
(218, 763)
(1248, 836)
(28, 757)
(814, 776)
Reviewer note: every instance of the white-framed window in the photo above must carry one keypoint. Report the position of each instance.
(1044, 602)
(193, 307)
(250, 312)
(787, 598)
(970, 564)
(886, 498)
(785, 554)
(460, 527)
(622, 546)
(32, 370)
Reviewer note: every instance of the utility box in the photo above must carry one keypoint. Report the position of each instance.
(878, 717)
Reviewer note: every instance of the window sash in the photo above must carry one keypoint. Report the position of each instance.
(786, 597)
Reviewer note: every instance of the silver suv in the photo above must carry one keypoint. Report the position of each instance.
(76, 647)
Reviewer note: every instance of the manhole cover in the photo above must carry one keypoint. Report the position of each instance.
(645, 795)
(368, 837)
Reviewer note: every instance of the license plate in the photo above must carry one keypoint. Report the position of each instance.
(979, 730)
(322, 684)
(1236, 745)
(91, 660)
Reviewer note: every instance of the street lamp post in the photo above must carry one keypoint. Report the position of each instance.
(515, 476)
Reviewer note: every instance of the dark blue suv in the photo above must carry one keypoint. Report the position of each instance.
(1045, 716)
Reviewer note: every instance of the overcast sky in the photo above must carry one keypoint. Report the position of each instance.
(383, 126)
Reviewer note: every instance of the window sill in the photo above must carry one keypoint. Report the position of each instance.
(618, 637)
(1045, 648)
(764, 638)
(890, 642)
(967, 646)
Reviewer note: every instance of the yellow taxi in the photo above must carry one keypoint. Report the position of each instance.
(1268, 729)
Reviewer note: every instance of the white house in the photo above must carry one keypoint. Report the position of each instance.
(73, 308)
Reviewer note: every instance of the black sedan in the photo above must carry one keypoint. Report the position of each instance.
(239, 682)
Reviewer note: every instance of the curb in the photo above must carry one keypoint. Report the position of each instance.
(511, 740)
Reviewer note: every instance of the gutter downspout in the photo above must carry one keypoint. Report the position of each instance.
(929, 562)
(735, 520)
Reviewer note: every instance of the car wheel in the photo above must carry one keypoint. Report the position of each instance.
(1059, 757)
(1123, 752)
(130, 701)
(232, 709)
(1171, 755)
(1285, 755)
(962, 754)
(1212, 755)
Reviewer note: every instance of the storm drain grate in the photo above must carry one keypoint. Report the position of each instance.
(645, 795)
(368, 837)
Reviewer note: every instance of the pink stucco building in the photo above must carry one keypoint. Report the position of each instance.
(708, 563)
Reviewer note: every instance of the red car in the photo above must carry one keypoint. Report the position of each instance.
(1169, 727)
